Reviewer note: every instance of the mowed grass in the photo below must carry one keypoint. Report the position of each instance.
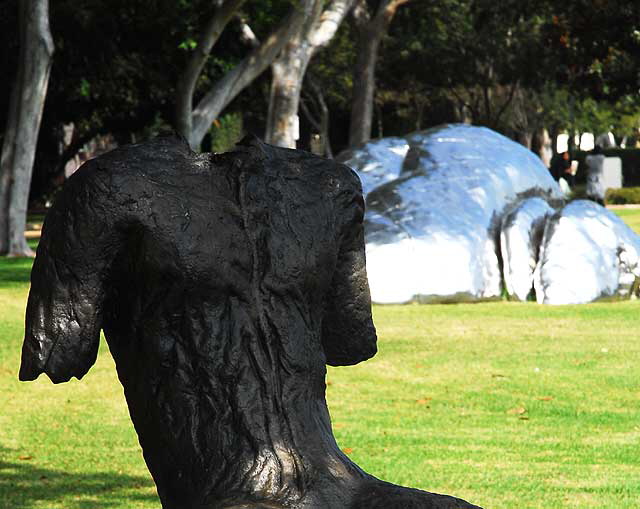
(505, 404)
(63, 446)
(631, 216)
(509, 405)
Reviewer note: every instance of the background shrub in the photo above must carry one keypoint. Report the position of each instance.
(621, 196)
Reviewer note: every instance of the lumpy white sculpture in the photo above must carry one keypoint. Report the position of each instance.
(587, 253)
(520, 238)
(457, 212)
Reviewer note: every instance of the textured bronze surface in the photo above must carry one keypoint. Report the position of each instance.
(224, 285)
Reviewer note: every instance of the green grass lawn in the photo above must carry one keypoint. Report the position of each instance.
(630, 216)
(509, 405)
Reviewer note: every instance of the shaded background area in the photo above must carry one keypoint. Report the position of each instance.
(24, 484)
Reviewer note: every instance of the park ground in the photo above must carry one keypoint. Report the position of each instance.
(509, 405)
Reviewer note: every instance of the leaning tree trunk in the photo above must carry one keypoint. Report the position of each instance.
(187, 81)
(364, 87)
(23, 123)
(289, 68)
(371, 30)
(286, 84)
(227, 88)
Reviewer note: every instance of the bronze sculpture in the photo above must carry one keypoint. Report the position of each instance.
(224, 285)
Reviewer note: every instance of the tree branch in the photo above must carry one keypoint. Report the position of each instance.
(360, 14)
(503, 108)
(329, 22)
(390, 9)
(233, 82)
(322, 125)
(307, 113)
(462, 101)
(187, 82)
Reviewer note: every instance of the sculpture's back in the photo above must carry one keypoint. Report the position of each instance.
(224, 284)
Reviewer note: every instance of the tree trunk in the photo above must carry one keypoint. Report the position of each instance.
(364, 87)
(553, 134)
(379, 118)
(525, 138)
(371, 31)
(319, 117)
(289, 69)
(187, 82)
(546, 149)
(237, 79)
(23, 123)
(286, 83)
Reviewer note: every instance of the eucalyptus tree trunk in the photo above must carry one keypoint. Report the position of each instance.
(363, 87)
(289, 68)
(23, 123)
(317, 113)
(193, 122)
(187, 82)
(286, 84)
(371, 30)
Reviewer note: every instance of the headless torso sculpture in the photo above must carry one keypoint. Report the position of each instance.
(224, 285)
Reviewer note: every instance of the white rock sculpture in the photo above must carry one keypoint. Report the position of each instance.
(432, 231)
(587, 253)
(377, 162)
(462, 213)
(520, 239)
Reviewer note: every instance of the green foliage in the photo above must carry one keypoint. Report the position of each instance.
(226, 132)
(188, 44)
(579, 191)
(596, 46)
(85, 88)
(590, 115)
(514, 66)
(622, 196)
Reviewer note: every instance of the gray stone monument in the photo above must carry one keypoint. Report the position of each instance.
(602, 173)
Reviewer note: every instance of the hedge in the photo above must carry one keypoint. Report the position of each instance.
(621, 196)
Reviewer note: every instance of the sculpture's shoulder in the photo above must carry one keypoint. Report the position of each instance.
(130, 171)
(164, 154)
(326, 175)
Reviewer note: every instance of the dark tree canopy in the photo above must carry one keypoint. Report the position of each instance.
(499, 64)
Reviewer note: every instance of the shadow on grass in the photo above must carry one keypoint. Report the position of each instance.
(15, 271)
(24, 485)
